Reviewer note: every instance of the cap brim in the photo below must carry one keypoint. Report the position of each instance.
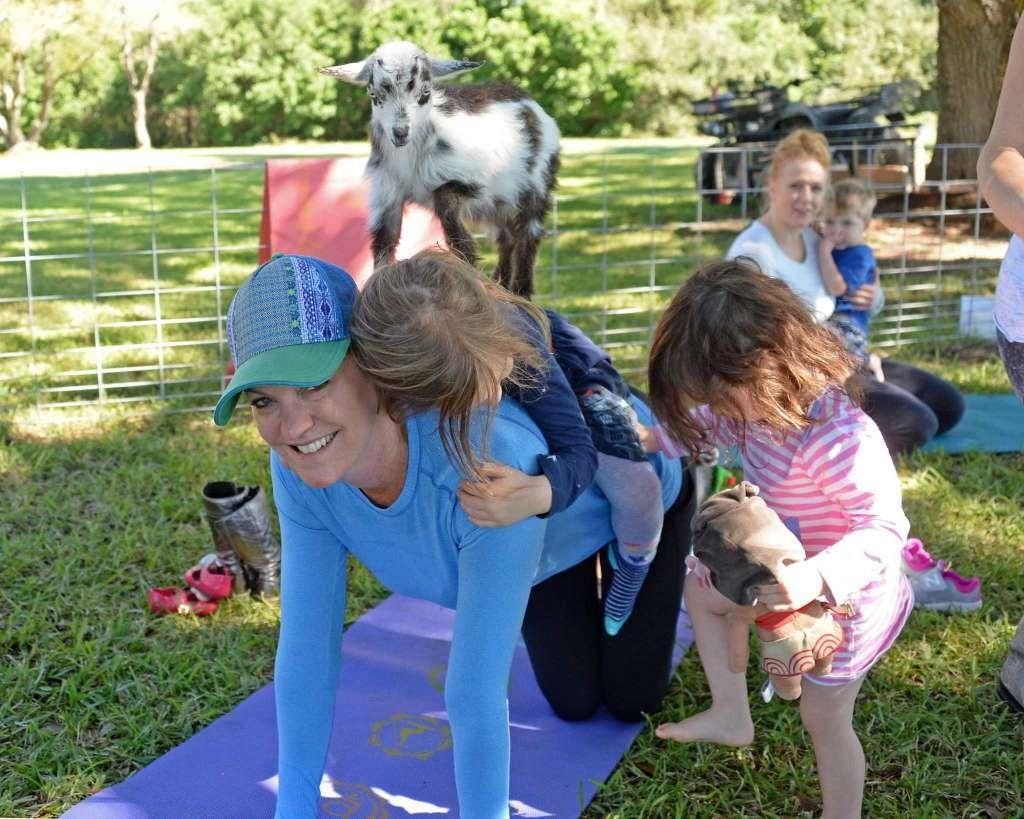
(297, 365)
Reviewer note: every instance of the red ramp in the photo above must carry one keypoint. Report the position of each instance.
(320, 207)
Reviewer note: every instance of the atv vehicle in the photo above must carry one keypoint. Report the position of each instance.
(862, 132)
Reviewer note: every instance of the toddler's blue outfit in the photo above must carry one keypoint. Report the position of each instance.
(581, 405)
(857, 265)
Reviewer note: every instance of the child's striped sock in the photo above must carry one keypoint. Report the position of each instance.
(629, 568)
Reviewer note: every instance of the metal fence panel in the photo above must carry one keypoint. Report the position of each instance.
(113, 288)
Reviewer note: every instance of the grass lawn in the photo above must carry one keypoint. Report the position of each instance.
(94, 513)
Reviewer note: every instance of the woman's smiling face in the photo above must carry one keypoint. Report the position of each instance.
(322, 433)
(797, 192)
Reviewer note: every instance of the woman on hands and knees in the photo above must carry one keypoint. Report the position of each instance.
(356, 469)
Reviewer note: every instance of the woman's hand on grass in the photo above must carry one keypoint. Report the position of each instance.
(506, 496)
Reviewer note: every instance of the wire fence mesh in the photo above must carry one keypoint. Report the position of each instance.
(113, 287)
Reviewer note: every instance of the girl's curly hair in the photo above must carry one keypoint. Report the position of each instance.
(732, 329)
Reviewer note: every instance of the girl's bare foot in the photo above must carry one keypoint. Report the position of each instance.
(722, 727)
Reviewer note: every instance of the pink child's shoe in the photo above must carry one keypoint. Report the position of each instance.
(210, 578)
(936, 587)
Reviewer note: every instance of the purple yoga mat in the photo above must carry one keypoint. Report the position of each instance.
(391, 751)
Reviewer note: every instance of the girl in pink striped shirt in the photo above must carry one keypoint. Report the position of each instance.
(737, 359)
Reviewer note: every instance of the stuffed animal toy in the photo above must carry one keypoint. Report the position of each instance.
(744, 544)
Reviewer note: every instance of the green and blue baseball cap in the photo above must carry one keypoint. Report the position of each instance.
(287, 327)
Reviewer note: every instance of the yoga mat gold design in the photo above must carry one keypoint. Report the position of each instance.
(436, 677)
(411, 735)
(354, 802)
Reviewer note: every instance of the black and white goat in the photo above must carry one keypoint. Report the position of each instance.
(486, 152)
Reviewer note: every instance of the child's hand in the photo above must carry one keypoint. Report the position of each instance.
(506, 497)
(700, 572)
(799, 584)
(647, 438)
(863, 298)
(827, 243)
(875, 365)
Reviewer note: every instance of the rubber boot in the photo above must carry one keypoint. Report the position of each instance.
(242, 535)
(1011, 677)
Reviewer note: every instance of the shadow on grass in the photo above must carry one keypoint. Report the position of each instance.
(91, 518)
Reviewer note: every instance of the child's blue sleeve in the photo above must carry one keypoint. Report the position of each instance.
(571, 461)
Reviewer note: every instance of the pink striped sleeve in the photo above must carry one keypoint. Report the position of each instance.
(668, 446)
(849, 463)
(718, 434)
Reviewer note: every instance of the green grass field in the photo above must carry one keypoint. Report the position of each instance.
(95, 512)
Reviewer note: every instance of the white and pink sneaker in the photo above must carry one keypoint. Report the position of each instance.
(937, 587)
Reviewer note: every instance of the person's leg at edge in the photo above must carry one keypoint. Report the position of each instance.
(727, 721)
(636, 664)
(827, 713)
(941, 397)
(634, 493)
(561, 630)
(1012, 354)
(905, 422)
(1011, 676)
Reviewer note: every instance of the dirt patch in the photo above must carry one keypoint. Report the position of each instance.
(927, 239)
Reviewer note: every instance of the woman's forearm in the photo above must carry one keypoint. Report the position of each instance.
(1001, 162)
(1001, 178)
(496, 569)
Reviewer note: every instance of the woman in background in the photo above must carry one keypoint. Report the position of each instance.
(911, 406)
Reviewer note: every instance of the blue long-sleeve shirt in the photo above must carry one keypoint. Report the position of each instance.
(857, 265)
(572, 364)
(424, 546)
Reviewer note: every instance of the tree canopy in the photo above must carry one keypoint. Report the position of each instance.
(245, 71)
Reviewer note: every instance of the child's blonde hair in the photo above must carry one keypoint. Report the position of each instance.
(852, 196)
(731, 327)
(431, 332)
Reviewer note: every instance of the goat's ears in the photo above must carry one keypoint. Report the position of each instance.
(451, 68)
(355, 73)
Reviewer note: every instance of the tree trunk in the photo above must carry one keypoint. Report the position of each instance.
(974, 42)
(14, 101)
(139, 83)
(46, 103)
(139, 115)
